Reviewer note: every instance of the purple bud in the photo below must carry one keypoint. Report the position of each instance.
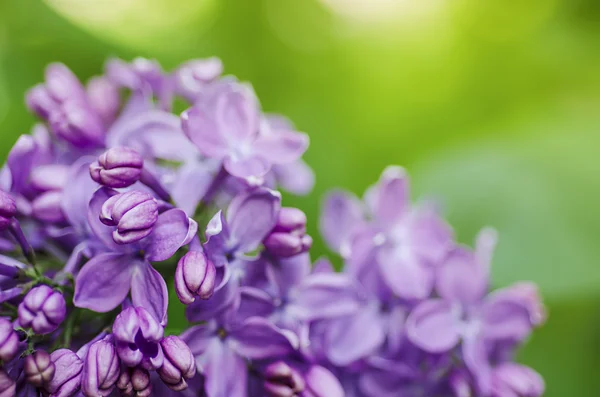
(101, 369)
(40, 102)
(47, 207)
(117, 167)
(39, 368)
(67, 375)
(134, 214)
(195, 276)
(289, 237)
(137, 338)
(8, 209)
(9, 340)
(77, 123)
(134, 382)
(179, 364)
(511, 379)
(104, 98)
(43, 309)
(281, 380)
(7, 385)
(192, 77)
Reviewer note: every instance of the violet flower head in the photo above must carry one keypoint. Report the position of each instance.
(280, 380)
(134, 382)
(101, 369)
(67, 374)
(43, 309)
(289, 237)
(7, 384)
(137, 338)
(8, 209)
(39, 368)
(195, 276)
(179, 364)
(118, 167)
(134, 214)
(9, 340)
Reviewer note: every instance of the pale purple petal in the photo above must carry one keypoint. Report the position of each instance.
(432, 326)
(296, 177)
(389, 199)
(250, 167)
(237, 114)
(201, 128)
(281, 148)
(81, 188)
(258, 339)
(103, 282)
(199, 338)
(476, 359)
(190, 185)
(225, 372)
(404, 273)
(255, 302)
(461, 278)
(172, 230)
(223, 299)
(506, 317)
(342, 212)
(149, 290)
(320, 382)
(428, 234)
(20, 160)
(217, 235)
(287, 273)
(100, 230)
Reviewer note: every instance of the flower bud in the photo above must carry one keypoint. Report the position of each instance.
(8, 209)
(289, 237)
(137, 336)
(39, 368)
(47, 207)
(101, 369)
(134, 214)
(104, 98)
(7, 385)
(43, 309)
(67, 374)
(281, 380)
(117, 167)
(78, 124)
(9, 340)
(179, 364)
(134, 382)
(194, 276)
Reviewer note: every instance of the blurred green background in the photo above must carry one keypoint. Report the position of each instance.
(493, 106)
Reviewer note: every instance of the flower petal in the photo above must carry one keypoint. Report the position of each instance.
(461, 278)
(341, 213)
(389, 199)
(251, 167)
(431, 326)
(223, 299)
(190, 186)
(296, 177)
(104, 282)
(320, 382)
(81, 188)
(201, 128)
(282, 147)
(258, 339)
(172, 230)
(100, 230)
(149, 290)
(288, 273)
(506, 317)
(225, 372)
(255, 302)
(404, 273)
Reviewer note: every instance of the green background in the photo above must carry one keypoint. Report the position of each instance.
(493, 106)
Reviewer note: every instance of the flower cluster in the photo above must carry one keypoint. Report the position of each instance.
(113, 198)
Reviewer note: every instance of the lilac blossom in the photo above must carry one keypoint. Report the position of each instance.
(137, 337)
(39, 369)
(42, 309)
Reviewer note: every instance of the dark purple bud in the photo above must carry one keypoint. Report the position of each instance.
(62, 84)
(289, 237)
(40, 102)
(47, 207)
(43, 309)
(67, 374)
(281, 380)
(39, 368)
(512, 379)
(101, 369)
(179, 364)
(117, 167)
(137, 338)
(192, 77)
(103, 96)
(7, 385)
(9, 340)
(134, 382)
(134, 214)
(49, 177)
(77, 123)
(195, 276)
(8, 209)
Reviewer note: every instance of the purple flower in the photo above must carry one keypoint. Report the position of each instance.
(67, 376)
(117, 168)
(133, 213)
(9, 340)
(137, 338)
(192, 77)
(511, 379)
(100, 369)
(195, 276)
(134, 382)
(105, 280)
(43, 309)
(39, 368)
(8, 209)
(289, 237)
(179, 364)
(7, 385)
(226, 126)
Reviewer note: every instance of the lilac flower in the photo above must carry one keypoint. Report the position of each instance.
(9, 340)
(195, 276)
(117, 168)
(289, 237)
(227, 128)
(43, 309)
(67, 376)
(39, 369)
(179, 364)
(134, 382)
(193, 77)
(104, 282)
(137, 337)
(100, 369)
(134, 214)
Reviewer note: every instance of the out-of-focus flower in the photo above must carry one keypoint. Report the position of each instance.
(137, 338)
(511, 379)
(7, 385)
(39, 369)
(43, 309)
